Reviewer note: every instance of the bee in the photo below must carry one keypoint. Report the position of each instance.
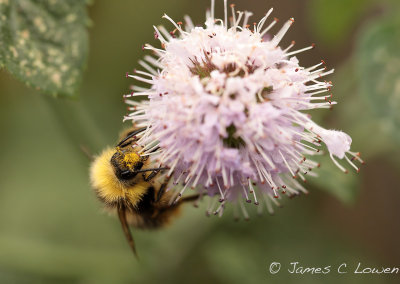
(125, 182)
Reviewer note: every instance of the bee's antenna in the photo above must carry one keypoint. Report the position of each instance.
(132, 134)
(87, 152)
(125, 228)
(150, 170)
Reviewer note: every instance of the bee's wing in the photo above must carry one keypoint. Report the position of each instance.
(86, 151)
(125, 228)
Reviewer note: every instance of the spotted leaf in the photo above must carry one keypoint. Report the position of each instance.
(44, 43)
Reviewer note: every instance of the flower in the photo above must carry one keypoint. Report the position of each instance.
(225, 110)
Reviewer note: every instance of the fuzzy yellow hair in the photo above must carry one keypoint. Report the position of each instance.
(107, 185)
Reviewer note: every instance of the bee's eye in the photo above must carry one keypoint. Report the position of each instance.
(126, 175)
(138, 166)
(126, 165)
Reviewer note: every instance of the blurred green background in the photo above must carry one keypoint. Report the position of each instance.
(53, 230)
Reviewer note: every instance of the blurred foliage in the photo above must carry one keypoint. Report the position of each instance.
(333, 21)
(378, 59)
(52, 229)
(330, 178)
(356, 115)
(343, 186)
(372, 74)
(44, 43)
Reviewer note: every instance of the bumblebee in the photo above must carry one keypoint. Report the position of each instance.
(126, 183)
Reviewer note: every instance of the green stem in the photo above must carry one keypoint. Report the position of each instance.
(77, 124)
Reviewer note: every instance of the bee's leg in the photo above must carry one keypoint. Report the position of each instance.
(151, 176)
(147, 157)
(125, 228)
(162, 188)
(154, 172)
(190, 198)
(155, 149)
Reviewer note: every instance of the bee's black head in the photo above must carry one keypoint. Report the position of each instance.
(126, 163)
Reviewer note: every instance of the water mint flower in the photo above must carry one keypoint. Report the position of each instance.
(225, 110)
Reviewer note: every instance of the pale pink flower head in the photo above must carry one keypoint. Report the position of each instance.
(225, 110)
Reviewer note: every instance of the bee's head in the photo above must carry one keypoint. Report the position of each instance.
(126, 162)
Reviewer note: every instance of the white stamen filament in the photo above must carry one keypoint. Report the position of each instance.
(300, 50)
(337, 164)
(165, 33)
(213, 9)
(153, 61)
(226, 13)
(189, 23)
(262, 21)
(247, 15)
(141, 79)
(240, 13)
(159, 36)
(175, 24)
(278, 37)
(269, 27)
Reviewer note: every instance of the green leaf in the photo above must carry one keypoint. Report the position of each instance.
(349, 108)
(378, 64)
(343, 186)
(2, 21)
(333, 21)
(44, 43)
(356, 117)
